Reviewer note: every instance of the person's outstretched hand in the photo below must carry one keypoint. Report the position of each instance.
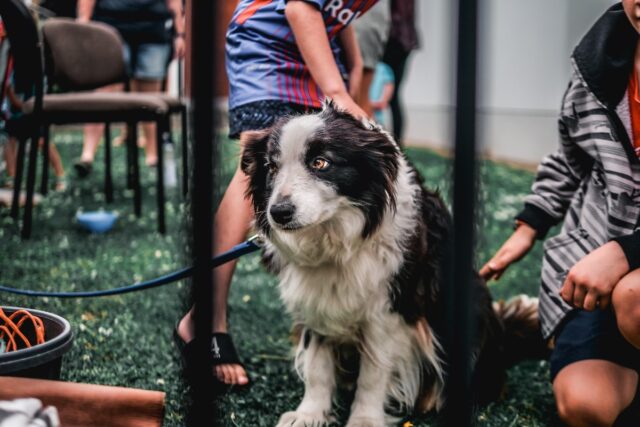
(517, 246)
(590, 282)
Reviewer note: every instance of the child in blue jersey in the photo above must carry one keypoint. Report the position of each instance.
(283, 58)
(381, 90)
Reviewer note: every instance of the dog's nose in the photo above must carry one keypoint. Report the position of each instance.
(283, 212)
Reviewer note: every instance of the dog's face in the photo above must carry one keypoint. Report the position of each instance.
(306, 170)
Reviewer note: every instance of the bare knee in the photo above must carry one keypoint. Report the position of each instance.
(579, 408)
(626, 303)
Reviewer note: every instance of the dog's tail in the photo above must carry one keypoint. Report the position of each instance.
(522, 335)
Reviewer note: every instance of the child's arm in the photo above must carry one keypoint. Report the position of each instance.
(179, 47)
(85, 10)
(387, 94)
(311, 36)
(516, 247)
(559, 176)
(353, 58)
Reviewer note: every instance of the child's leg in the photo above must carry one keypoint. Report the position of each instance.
(626, 305)
(149, 128)
(593, 392)
(58, 169)
(92, 135)
(10, 154)
(55, 160)
(593, 367)
(231, 225)
(93, 132)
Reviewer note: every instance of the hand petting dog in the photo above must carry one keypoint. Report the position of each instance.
(516, 247)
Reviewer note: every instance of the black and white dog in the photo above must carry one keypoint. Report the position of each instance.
(357, 243)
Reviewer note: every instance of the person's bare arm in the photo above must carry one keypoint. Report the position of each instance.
(311, 36)
(387, 94)
(175, 7)
(516, 247)
(85, 10)
(353, 58)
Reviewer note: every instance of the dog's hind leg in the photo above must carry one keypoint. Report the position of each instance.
(315, 364)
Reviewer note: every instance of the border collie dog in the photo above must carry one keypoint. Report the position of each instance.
(357, 243)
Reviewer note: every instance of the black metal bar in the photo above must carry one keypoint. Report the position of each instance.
(185, 151)
(129, 156)
(162, 129)
(31, 184)
(135, 168)
(44, 184)
(17, 180)
(202, 77)
(459, 399)
(108, 179)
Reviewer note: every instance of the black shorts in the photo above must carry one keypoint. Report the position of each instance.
(587, 335)
(261, 115)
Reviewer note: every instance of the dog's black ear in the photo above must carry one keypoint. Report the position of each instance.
(253, 164)
(254, 153)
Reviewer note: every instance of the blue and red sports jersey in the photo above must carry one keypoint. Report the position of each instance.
(262, 59)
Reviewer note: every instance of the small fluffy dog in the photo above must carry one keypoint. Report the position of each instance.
(357, 243)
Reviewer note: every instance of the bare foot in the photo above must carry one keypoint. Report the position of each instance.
(151, 161)
(118, 140)
(61, 183)
(228, 374)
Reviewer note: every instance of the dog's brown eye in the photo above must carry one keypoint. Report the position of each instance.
(273, 168)
(319, 164)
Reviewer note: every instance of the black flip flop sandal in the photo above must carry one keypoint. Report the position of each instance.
(222, 352)
(83, 169)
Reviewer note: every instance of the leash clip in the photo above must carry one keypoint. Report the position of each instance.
(257, 239)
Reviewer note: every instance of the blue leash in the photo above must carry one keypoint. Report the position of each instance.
(237, 251)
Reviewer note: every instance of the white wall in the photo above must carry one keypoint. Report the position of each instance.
(523, 72)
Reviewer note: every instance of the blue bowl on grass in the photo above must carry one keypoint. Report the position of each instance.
(97, 222)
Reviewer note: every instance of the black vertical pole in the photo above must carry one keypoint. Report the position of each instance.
(203, 20)
(461, 322)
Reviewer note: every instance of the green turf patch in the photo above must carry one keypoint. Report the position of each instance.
(126, 340)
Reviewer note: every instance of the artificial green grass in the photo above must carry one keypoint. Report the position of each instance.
(126, 340)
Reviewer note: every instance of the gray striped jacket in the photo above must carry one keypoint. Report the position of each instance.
(593, 180)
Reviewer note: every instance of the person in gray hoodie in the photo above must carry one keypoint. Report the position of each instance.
(590, 280)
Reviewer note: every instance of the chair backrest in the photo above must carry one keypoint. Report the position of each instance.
(22, 32)
(82, 56)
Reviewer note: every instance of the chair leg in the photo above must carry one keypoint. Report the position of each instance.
(185, 152)
(17, 181)
(108, 182)
(44, 185)
(31, 183)
(162, 127)
(135, 170)
(129, 156)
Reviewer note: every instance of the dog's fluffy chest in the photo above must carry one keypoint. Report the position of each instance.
(337, 300)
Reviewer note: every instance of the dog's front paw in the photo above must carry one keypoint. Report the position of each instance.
(302, 419)
(366, 422)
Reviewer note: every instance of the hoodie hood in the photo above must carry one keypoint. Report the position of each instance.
(604, 57)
